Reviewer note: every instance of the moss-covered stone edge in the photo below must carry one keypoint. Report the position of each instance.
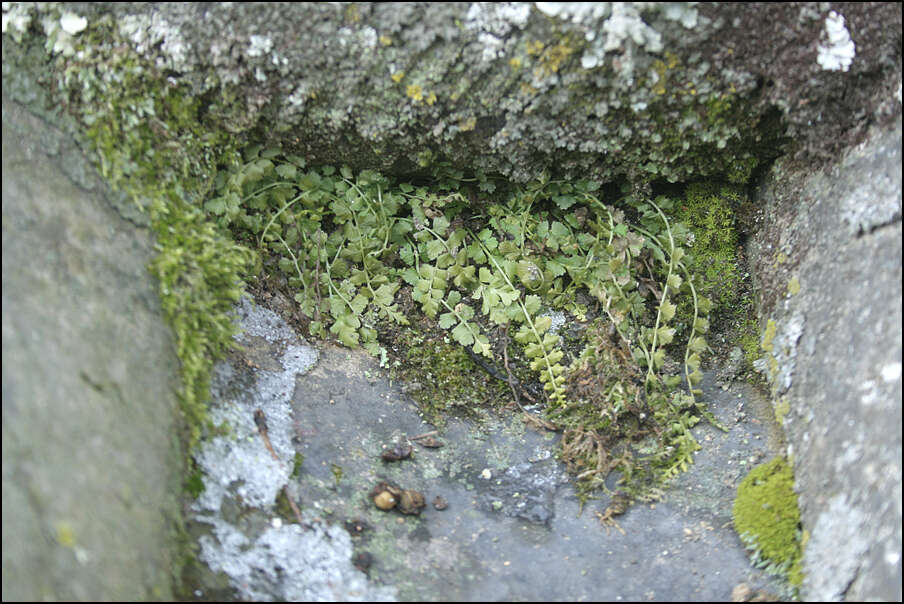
(152, 145)
(767, 519)
(151, 142)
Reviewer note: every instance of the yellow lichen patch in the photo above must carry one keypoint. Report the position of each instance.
(554, 56)
(767, 518)
(415, 93)
(431, 98)
(659, 68)
(534, 47)
(397, 76)
(782, 408)
(767, 346)
(672, 59)
(793, 286)
(515, 63)
(352, 13)
(768, 336)
(65, 536)
(385, 40)
(468, 124)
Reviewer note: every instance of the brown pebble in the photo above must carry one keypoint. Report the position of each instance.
(384, 500)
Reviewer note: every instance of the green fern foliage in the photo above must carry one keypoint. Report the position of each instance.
(490, 259)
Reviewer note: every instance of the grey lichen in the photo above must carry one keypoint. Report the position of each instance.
(478, 86)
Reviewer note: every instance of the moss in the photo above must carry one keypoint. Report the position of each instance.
(707, 209)
(767, 518)
(157, 143)
(296, 464)
(194, 485)
(200, 274)
(153, 142)
(446, 379)
(749, 341)
(283, 508)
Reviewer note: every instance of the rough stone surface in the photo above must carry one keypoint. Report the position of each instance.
(513, 529)
(669, 90)
(91, 461)
(265, 559)
(827, 259)
(618, 92)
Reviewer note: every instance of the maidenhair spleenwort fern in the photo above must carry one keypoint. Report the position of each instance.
(349, 243)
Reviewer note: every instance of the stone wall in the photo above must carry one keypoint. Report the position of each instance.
(623, 92)
(827, 261)
(91, 453)
(612, 90)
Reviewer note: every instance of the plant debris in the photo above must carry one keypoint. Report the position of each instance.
(397, 452)
(430, 442)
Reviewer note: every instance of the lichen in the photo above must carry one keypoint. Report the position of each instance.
(768, 336)
(782, 408)
(767, 518)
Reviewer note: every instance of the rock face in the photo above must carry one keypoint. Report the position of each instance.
(613, 90)
(620, 92)
(827, 258)
(91, 462)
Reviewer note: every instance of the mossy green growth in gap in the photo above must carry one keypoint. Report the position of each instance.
(767, 518)
(479, 262)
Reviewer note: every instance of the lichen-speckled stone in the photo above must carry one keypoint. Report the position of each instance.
(837, 352)
(627, 91)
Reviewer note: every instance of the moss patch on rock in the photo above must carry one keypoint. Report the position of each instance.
(200, 273)
(708, 210)
(440, 375)
(153, 143)
(767, 518)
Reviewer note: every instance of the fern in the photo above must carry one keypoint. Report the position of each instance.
(350, 243)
